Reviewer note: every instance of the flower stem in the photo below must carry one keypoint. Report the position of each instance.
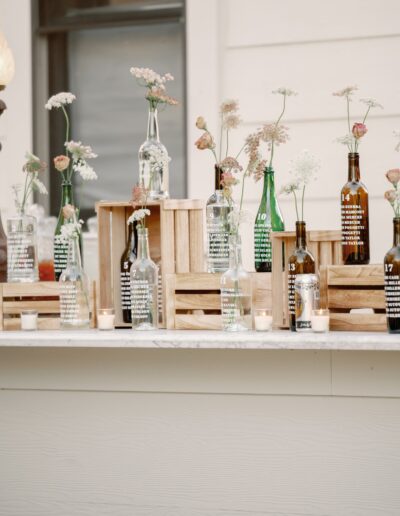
(366, 114)
(302, 202)
(295, 204)
(276, 125)
(220, 137)
(240, 152)
(227, 143)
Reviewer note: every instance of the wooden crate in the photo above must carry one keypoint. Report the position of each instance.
(176, 240)
(193, 300)
(325, 246)
(346, 287)
(43, 296)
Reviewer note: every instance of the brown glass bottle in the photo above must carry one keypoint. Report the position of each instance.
(355, 220)
(128, 257)
(392, 281)
(300, 262)
(3, 254)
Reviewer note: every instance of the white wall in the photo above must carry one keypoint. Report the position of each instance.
(16, 121)
(244, 49)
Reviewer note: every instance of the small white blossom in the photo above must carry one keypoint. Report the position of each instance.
(287, 92)
(371, 103)
(61, 99)
(348, 139)
(79, 151)
(396, 134)
(85, 171)
(138, 215)
(346, 92)
(69, 230)
(292, 186)
(40, 187)
(304, 167)
(151, 78)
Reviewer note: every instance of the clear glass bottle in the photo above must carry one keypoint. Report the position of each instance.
(3, 253)
(236, 291)
(128, 257)
(144, 286)
(74, 291)
(392, 281)
(217, 216)
(300, 262)
(153, 161)
(22, 254)
(269, 218)
(355, 220)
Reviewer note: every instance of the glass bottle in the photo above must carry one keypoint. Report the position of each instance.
(153, 160)
(144, 283)
(74, 291)
(269, 218)
(3, 253)
(22, 254)
(61, 248)
(300, 262)
(217, 216)
(236, 291)
(392, 281)
(128, 257)
(355, 221)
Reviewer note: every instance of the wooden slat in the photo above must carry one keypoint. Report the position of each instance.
(337, 253)
(352, 298)
(197, 301)
(182, 259)
(325, 253)
(118, 233)
(44, 307)
(198, 281)
(40, 288)
(323, 287)
(104, 243)
(197, 322)
(358, 322)
(276, 280)
(1, 307)
(196, 236)
(169, 296)
(183, 204)
(324, 236)
(355, 275)
(167, 229)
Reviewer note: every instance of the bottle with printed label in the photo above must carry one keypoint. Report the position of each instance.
(217, 215)
(22, 253)
(300, 262)
(3, 253)
(269, 218)
(128, 257)
(355, 220)
(60, 247)
(74, 291)
(144, 286)
(392, 281)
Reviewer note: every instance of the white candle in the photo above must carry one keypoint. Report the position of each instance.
(29, 320)
(320, 321)
(105, 319)
(263, 320)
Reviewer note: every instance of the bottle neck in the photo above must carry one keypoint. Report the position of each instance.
(2, 233)
(218, 177)
(74, 253)
(152, 125)
(354, 167)
(143, 244)
(269, 182)
(66, 194)
(235, 252)
(396, 231)
(301, 238)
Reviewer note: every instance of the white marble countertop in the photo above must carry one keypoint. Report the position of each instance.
(189, 339)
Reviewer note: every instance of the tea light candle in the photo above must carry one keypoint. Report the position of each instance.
(263, 320)
(29, 320)
(320, 321)
(105, 318)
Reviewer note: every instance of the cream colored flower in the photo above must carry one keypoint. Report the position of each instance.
(61, 163)
(393, 175)
(205, 142)
(201, 123)
(68, 211)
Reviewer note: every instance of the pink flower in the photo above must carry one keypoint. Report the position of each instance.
(231, 164)
(138, 194)
(61, 163)
(391, 196)
(228, 180)
(68, 211)
(359, 130)
(205, 142)
(393, 175)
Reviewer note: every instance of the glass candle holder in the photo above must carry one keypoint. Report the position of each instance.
(320, 320)
(105, 318)
(263, 319)
(29, 320)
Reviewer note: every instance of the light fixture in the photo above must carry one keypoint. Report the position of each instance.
(7, 66)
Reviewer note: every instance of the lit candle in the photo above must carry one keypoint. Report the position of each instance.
(263, 320)
(105, 318)
(320, 320)
(29, 320)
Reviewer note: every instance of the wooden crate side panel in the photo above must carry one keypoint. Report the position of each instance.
(198, 322)
(42, 307)
(262, 290)
(183, 204)
(198, 281)
(118, 232)
(182, 248)
(358, 322)
(203, 301)
(40, 288)
(104, 243)
(337, 253)
(196, 244)
(324, 236)
(353, 298)
(325, 253)
(356, 275)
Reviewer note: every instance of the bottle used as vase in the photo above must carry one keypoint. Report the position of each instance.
(392, 281)
(355, 220)
(153, 161)
(128, 257)
(269, 218)
(3, 253)
(300, 262)
(22, 254)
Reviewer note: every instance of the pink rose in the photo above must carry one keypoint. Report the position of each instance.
(228, 180)
(205, 142)
(61, 163)
(359, 130)
(138, 194)
(68, 211)
(393, 175)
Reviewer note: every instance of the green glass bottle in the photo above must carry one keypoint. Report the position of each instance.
(269, 218)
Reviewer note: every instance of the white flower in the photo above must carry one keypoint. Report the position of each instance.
(290, 187)
(151, 78)
(304, 167)
(348, 139)
(40, 187)
(396, 134)
(85, 171)
(138, 215)
(62, 98)
(69, 230)
(371, 103)
(287, 92)
(346, 92)
(80, 151)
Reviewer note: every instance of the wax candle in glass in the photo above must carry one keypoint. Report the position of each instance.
(105, 318)
(320, 320)
(29, 320)
(263, 319)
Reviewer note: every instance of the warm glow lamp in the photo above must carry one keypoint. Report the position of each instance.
(7, 66)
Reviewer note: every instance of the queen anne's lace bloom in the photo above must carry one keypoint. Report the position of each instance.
(348, 91)
(304, 167)
(371, 103)
(60, 99)
(80, 151)
(229, 106)
(287, 92)
(348, 139)
(150, 77)
(138, 215)
(68, 231)
(85, 171)
(231, 121)
(288, 188)
(274, 133)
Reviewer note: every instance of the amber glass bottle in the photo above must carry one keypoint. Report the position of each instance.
(300, 262)
(392, 281)
(128, 257)
(355, 223)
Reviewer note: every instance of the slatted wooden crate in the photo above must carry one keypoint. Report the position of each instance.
(193, 300)
(347, 287)
(43, 296)
(176, 240)
(325, 246)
